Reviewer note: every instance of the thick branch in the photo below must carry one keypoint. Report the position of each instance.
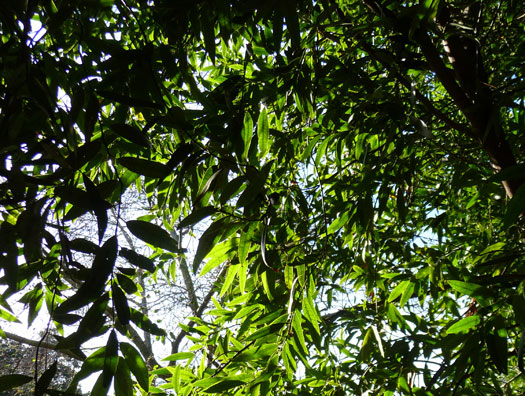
(175, 344)
(478, 107)
(144, 349)
(419, 96)
(47, 345)
(481, 114)
(188, 282)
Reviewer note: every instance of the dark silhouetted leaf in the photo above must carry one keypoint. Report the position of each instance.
(515, 207)
(137, 259)
(132, 134)
(91, 289)
(134, 102)
(45, 379)
(153, 234)
(66, 318)
(497, 347)
(92, 364)
(84, 246)
(121, 304)
(143, 322)
(98, 205)
(127, 284)
(196, 216)
(13, 380)
(145, 167)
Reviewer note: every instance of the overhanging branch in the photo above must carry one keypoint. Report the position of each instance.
(46, 345)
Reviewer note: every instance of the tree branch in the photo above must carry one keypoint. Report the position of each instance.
(175, 344)
(477, 104)
(46, 345)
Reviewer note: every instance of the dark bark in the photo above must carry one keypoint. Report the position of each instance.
(465, 82)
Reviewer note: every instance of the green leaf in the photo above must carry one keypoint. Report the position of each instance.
(153, 234)
(219, 254)
(136, 364)
(8, 316)
(464, 325)
(145, 167)
(229, 382)
(247, 134)
(310, 312)
(13, 380)
(262, 332)
(100, 388)
(245, 242)
(92, 364)
(469, 289)
(230, 276)
(207, 182)
(123, 384)
(298, 331)
(179, 356)
(110, 359)
(207, 241)
(407, 293)
(263, 133)
(398, 290)
(126, 283)
(366, 346)
(143, 322)
(232, 188)
(266, 286)
(255, 187)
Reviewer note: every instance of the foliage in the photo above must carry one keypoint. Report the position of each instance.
(356, 166)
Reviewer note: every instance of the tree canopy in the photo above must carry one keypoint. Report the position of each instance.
(353, 171)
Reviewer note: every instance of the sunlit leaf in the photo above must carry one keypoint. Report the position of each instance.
(179, 356)
(263, 133)
(464, 324)
(123, 384)
(247, 133)
(136, 364)
(110, 358)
